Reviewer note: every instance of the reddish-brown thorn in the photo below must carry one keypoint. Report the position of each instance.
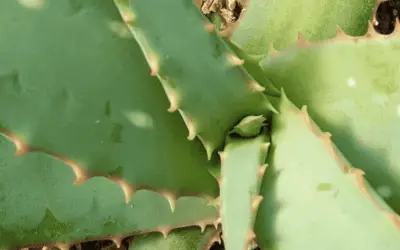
(190, 126)
(170, 198)
(153, 63)
(359, 176)
(326, 139)
(173, 99)
(80, 174)
(256, 202)
(261, 171)
(126, 188)
(165, 232)
(256, 87)
(305, 115)
(222, 157)
(117, 240)
(20, 147)
(234, 60)
(202, 226)
(340, 32)
(300, 40)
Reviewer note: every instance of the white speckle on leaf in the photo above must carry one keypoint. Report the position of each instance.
(139, 119)
(351, 82)
(398, 109)
(98, 121)
(32, 4)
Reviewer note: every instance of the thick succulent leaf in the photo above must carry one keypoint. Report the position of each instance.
(352, 89)
(241, 173)
(250, 126)
(180, 239)
(74, 83)
(251, 64)
(39, 205)
(266, 21)
(313, 198)
(196, 68)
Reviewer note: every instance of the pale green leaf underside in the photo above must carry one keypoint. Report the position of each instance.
(310, 202)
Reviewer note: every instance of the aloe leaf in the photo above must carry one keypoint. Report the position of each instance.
(40, 206)
(351, 86)
(313, 198)
(195, 66)
(180, 239)
(75, 84)
(251, 64)
(267, 21)
(241, 172)
(249, 126)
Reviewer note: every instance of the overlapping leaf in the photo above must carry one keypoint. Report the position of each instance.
(74, 88)
(39, 205)
(313, 198)
(266, 21)
(351, 87)
(196, 67)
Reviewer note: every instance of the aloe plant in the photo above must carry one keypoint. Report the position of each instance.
(143, 120)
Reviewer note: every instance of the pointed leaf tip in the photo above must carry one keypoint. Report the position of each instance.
(256, 87)
(117, 240)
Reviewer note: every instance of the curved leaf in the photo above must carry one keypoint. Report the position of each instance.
(313, 198)
(39, 205)
(351, 86)
(196, 68)
(74, 84)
